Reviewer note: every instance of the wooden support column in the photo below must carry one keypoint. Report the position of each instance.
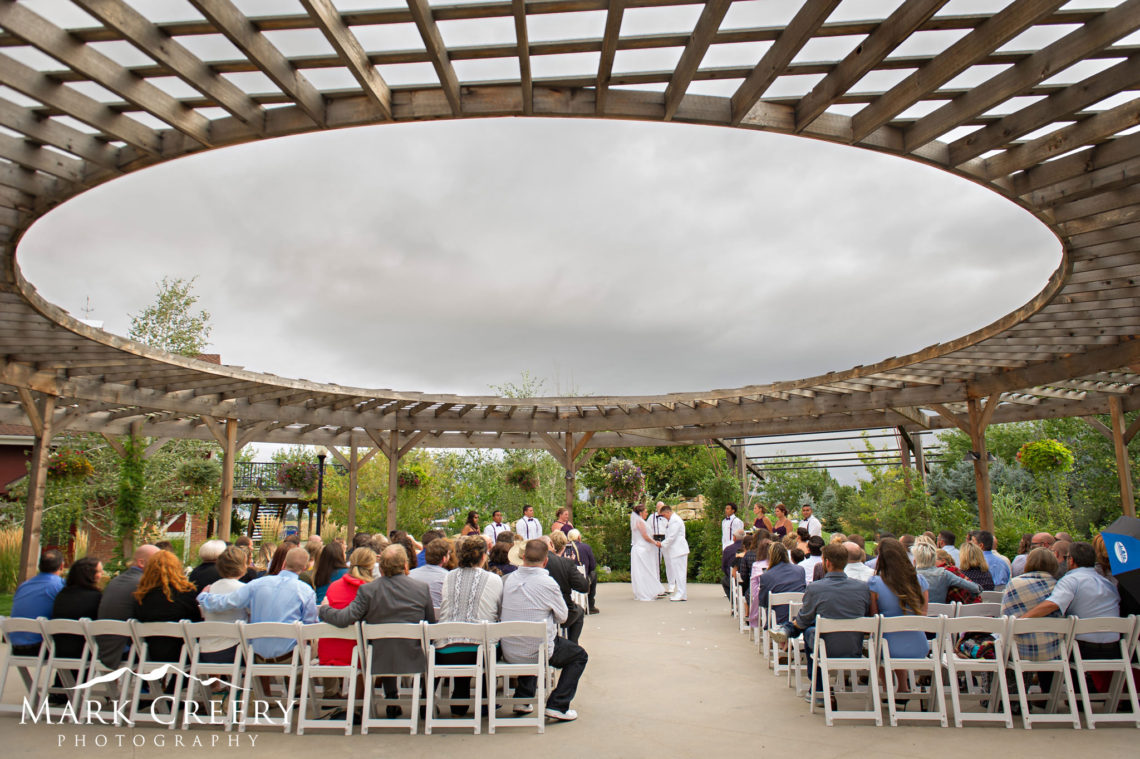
(980, 416)
(226, 507)
(1120, 440)
(40, 413)
(393, 475)
(919, 459)
(905, 445)
(352, 463)
(742, 463)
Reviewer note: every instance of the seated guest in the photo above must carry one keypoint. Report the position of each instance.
(401, 538)
(897, 590)
(974, 566)
(294, 540)
(278, 562)
(425, 540)
(1129, 602)
(531, 595)
(264, 557)
(945, 541)
(836, 596)
(1024, 592)
(802, 538)
(581, 554)
(79, 598)
(728, 561)
(814, 557)
(35, 598)
(855, 568)
(781, 576)
(998, 565)
(759, 566)
(246, 542)
(798, 557)
(341, 593)
(274, 598)
(378, 544)
(314, 546)
(165, 594)
(331, 566)
(938, 580)
(1083, 593)
(361, 540)
(118, 602)
(1061, 553)
(231, 567)
(394, 598)
(437, 554)
(569, 579)
(469, 595)
(1024, 545)
(744, 562)
(499, 561)
(206, 572)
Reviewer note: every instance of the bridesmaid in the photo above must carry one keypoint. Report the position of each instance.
(762, 522)
(784, 526)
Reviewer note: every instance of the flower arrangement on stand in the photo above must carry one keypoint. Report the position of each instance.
(298, 475)
(523, 477)
(625, 481)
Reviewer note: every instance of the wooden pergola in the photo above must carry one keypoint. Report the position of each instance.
(1042, 132)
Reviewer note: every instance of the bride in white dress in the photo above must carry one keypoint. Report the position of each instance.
(644, 572)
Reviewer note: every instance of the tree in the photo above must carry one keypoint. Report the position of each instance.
(170, 323)
(670, 471)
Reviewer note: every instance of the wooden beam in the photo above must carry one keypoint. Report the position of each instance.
(1123, 463)
(1098, 425)
(229, 454)
(411, 441)
(348, 47)
(239, 30)
(393, 477)
(215, 429)
(708, 23)
(32, 410)
(1098, 33)
(950, 416)
(1057, 107)
(581, 446)
(27, 81)
(377, 437)
(154, 42)
(615, 11)
(116, 445)
(437, 52)
(51, 132)
(522, 42)
(984, 39)
(37, 482)
(50, 39)
(353, 465)
(978, 419)
(792, 38)
(1132, 430)
(888, 35)
(154, 446)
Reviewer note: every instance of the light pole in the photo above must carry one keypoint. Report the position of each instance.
(322, 453)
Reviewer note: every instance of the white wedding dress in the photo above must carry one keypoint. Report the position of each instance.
(644, 564)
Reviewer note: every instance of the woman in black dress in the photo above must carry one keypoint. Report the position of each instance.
(79, 598)
(165, 595)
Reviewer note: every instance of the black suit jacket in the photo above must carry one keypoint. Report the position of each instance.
(565, 573)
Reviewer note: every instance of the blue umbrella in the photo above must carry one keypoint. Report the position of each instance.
(1122, 539)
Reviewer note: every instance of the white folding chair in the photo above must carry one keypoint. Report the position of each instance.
(935, 696)
(408, 699)
(70, 671)
(949, 610)
(117, 690)
(1062, 678)
(28, 667)
(825, 664)
(194, 633)
(437, 636)
(797, 661)
(980, 610)
(1121, 669)
(308, 640)
(259, 674)
(495, 669)
(159, 675)
(741, 604)
(774, 600)
(760, 633)
(992, 669)
(990, 597)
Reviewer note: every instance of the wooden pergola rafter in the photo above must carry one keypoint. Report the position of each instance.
(1065, 149)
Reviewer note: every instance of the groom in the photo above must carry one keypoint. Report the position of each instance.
(676, 550)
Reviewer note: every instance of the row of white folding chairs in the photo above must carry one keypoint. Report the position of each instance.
(948, 669)
(40, 672)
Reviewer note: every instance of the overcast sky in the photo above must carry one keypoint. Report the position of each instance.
(606, 257)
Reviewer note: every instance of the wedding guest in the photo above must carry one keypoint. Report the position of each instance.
(471, 526)
(264, 557)
(207, 572)
(432, 573)
(581, 554)
(118, 602)
(973, 564)
(938, 580)
(1024, 592)
(34, 598)
(341, 593)
(782, 576)
(331, 566)
(78, 598)
(231, 566)
(278, 562)
(468, 595)
(499, 561)
(898, 590)
(165, 594)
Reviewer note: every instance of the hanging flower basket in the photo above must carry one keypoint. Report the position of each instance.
(1045, 457)
(200, 474)
(408, 478)
(69, 463)
(525, 478)
(625, 481)
(298, 475)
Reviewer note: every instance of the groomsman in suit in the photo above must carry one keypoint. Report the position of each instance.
(496, 527)
(658, 524)
(676, 550)
(528, 528)
(729, 526)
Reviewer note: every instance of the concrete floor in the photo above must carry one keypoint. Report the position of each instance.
(664, 679)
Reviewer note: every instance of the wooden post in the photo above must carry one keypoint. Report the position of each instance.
(252, 521)
(40, 415)
(393, 474)
(1123, 464)
(742, 462)
(353, 463)
(904, 453)
(226, 507)
(571, 470)
(919, 459)
(979, 419)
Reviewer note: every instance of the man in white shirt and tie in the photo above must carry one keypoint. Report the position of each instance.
(729, 525)
(676, 550)
(658, 523)
(496, 527)
(528, 528)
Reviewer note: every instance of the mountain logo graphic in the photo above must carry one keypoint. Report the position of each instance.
(162, 672)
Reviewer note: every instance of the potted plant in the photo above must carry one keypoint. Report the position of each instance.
(298, 475)
(524, 477)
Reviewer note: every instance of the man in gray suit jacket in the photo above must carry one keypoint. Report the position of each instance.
(393, 597)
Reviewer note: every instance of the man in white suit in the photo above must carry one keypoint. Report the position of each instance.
(658, 526)
(676, 550)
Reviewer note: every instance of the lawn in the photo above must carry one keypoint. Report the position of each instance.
(5, 604)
